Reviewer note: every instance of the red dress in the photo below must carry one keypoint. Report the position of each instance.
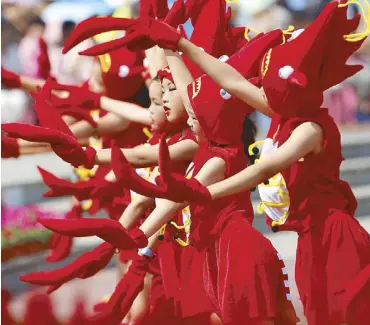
(243, 275)
(332, 246)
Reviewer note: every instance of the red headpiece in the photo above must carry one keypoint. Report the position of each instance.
(121, 73)
(295, 74)
(221, 115)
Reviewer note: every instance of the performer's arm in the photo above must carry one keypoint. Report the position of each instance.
(181, 76)
(107, 125)
(128, 111)
(143, 156)
(226, 77)
(306, 139)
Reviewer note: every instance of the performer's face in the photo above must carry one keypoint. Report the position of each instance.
(173, 106)
(157, 114)
(195, 126)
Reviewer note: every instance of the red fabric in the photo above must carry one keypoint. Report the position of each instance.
(141, 34)
(213, 216)
(329, 257)
(6, 318)
(10, 79)
(125, 292)
(318, 57)
(83, 267)
(78, 96)
(194, 299)
(43, 60)
(314, 185)
(123, 79)
(39, 310)
(61, 246)
(79, 115)
(9, 147)
(109, 230)
(357, 298)
(245, 283)
(220, 117)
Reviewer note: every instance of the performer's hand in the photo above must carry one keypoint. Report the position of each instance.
(10, 79)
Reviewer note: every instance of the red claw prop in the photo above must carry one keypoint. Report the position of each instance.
(9, 147)
(60, 187)
(43, 60)
(160, 8)
(141, 35)
(83, 267)
(78, 97)
(79, 115)
(10, 79)
(124, 294)
(178, 187)
(53, 130)
(61, 246)
(93, 26)
(104, 193)
(109, 230)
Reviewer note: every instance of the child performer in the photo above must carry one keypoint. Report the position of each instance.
(303, 148)
(246, 290)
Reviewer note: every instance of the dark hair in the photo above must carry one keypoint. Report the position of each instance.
(36, 20)
(248, 136)
(67, 27)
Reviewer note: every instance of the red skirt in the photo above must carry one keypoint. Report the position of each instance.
(357, 299)
(194, 299)
(245, 277)
(329, 257)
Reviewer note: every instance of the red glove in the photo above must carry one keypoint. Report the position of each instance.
(109, 230)
(174, 187)
(61, 245)
(79, 115)
(178, 188)
(125, 293)
(104, 193)
(10, 79)
(65, 146)
(177, 15)
(83, 267)
(141, 35)
(78, 97)
(60, 187)
(160, 8)
(43, 60)
(9, 147)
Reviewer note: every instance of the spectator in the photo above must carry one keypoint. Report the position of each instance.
(70, 68)
(29, 47)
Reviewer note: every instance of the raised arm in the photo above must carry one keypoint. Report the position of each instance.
(148, 156)
(226, 77)
(306, 139)
(128, 111)
(181, 76)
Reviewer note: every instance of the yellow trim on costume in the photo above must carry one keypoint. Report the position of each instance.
(356, 37)
(254, 145)
(266, 63)
(147, 133)
(249, 29)
(105, 62)
(288, 31)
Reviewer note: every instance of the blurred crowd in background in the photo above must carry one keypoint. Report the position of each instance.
(24, 22)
